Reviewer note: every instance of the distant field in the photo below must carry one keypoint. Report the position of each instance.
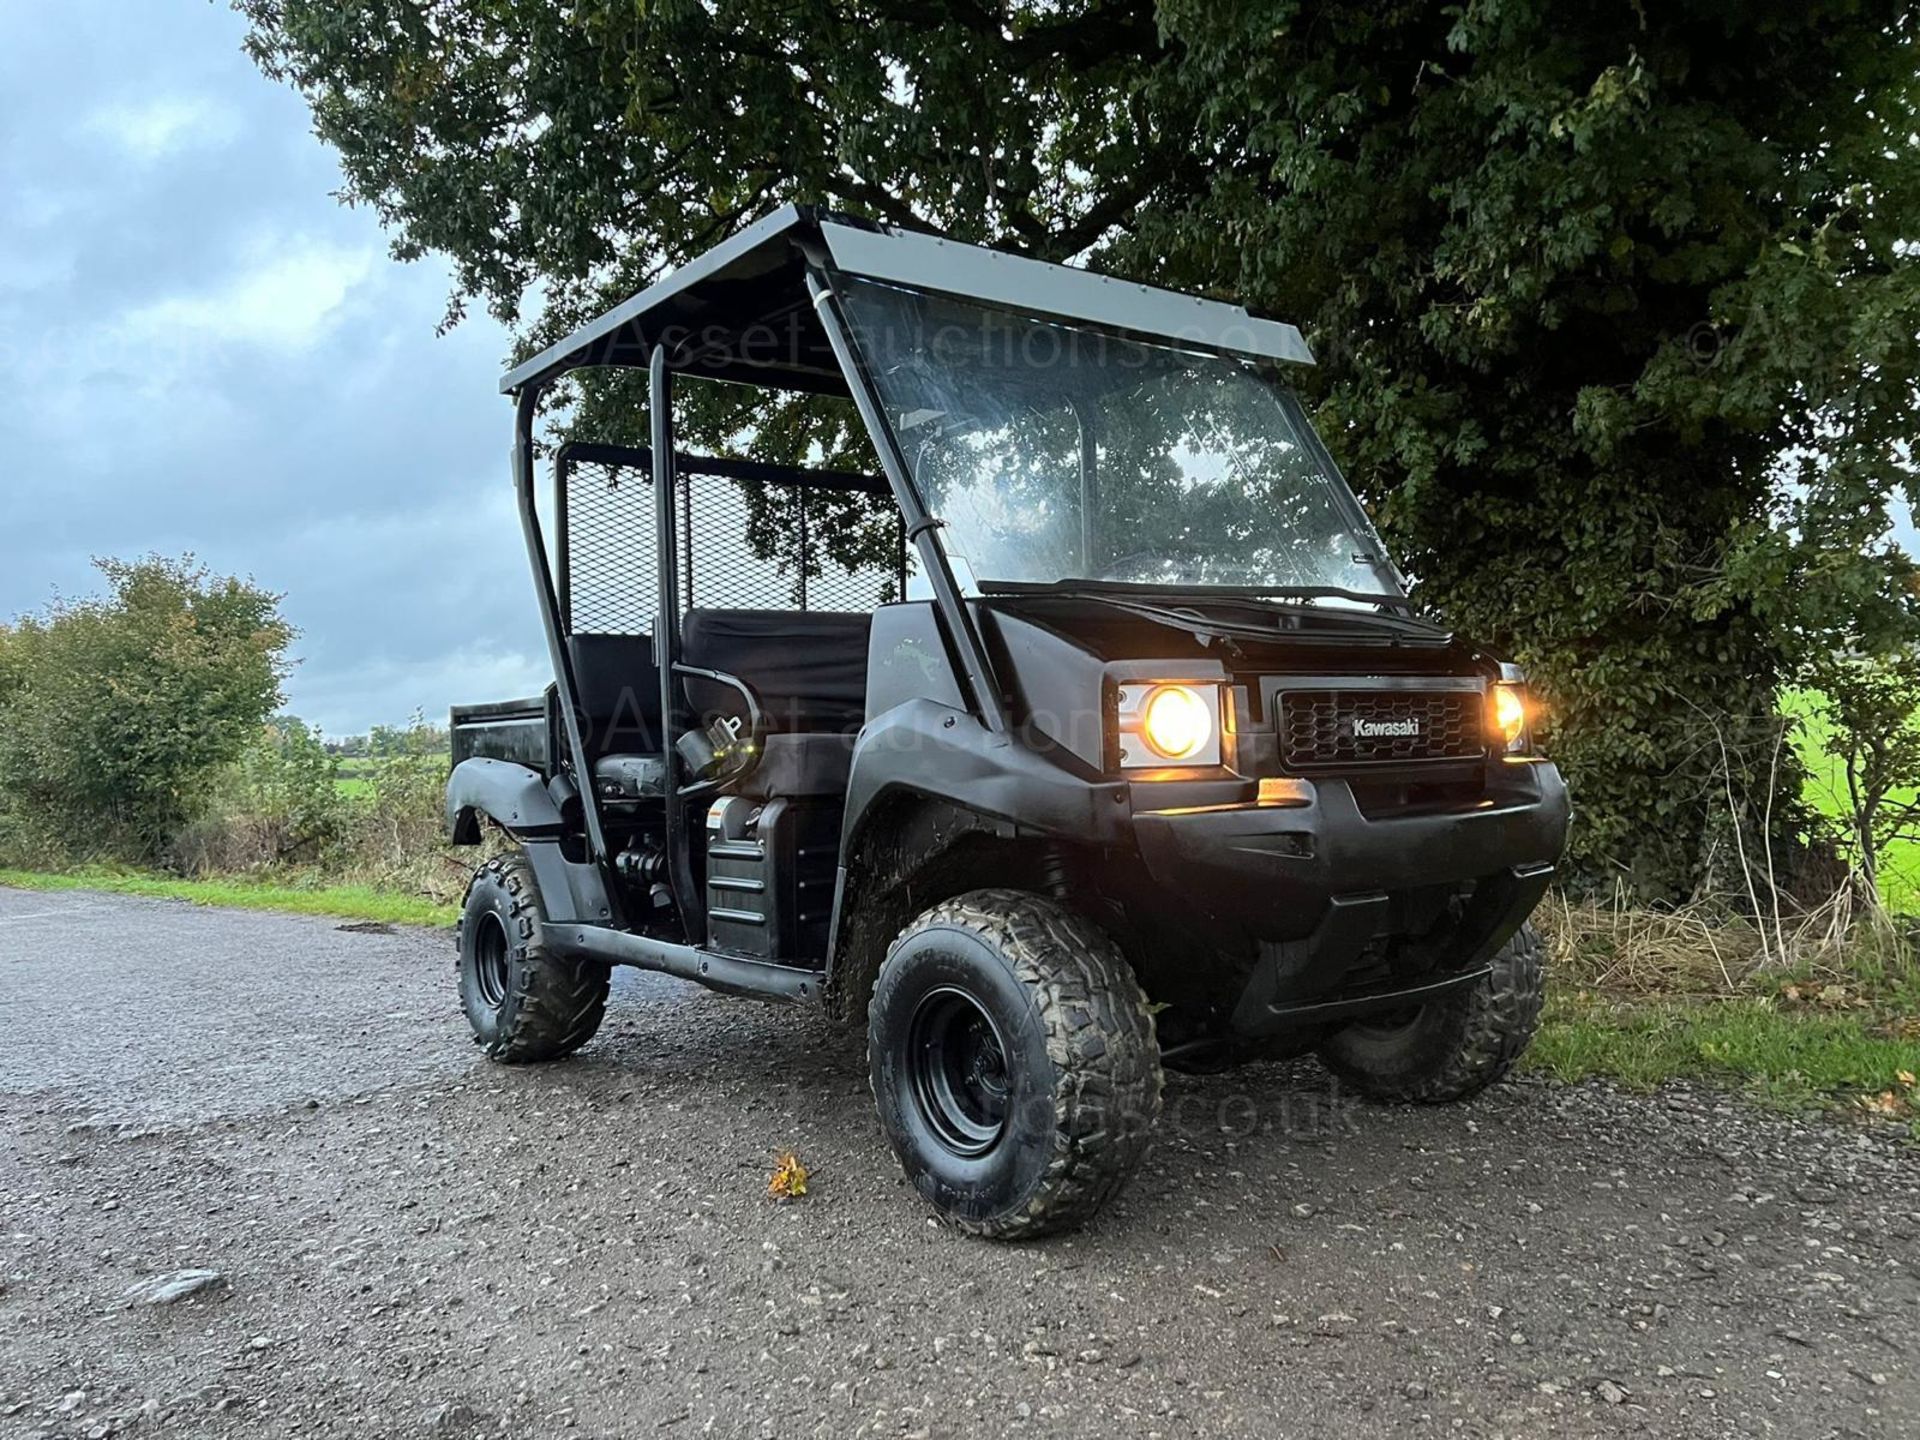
(1827, 790)
(355, 776)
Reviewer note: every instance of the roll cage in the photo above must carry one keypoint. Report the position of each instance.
(765, 308)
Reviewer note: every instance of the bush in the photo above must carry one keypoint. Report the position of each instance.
(279, 802)
(404, 805)
(118, 714)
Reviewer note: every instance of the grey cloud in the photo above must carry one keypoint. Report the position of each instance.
(206, 352)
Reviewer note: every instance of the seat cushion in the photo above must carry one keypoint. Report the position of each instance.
(809, 667)
(629, 777)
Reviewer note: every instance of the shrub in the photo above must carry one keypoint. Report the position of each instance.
(279, 802)
(117, 714)
(405, 795)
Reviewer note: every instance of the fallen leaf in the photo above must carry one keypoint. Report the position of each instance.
(1906, 1078)
(789, 1180)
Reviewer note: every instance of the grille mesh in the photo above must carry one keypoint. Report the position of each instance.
(1331, 727)
(801, 548)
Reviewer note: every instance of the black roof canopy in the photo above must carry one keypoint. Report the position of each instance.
(742, 312)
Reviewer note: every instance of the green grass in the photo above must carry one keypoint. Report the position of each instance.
(348, 902)
(1779, 1055)
(1826, 791)
(354, 778)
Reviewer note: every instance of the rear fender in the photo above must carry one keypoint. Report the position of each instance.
(513, 796)
(516, 799)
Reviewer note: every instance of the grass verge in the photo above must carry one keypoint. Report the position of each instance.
(347, 902)
(1643, 998)
(1780, 1057)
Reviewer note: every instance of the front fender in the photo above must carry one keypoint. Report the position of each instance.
(944, 753)
(512, 796)
(928, 779)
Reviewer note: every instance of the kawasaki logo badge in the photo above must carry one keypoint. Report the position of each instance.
(1408, 729)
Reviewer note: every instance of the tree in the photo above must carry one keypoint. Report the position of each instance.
(1600, 289)
(1873, 707)
(116, 713)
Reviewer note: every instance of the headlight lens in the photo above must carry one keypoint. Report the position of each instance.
(1168, 723)
(1509, 715)
(1176, 722)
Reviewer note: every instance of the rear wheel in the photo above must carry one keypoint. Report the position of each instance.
(1013, 1062)
(523, 1003)
(1452, 1047)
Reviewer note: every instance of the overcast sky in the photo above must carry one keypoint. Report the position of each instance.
(204, 351)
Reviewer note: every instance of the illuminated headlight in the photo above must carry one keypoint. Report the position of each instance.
(1507, 714)
(1168, 723)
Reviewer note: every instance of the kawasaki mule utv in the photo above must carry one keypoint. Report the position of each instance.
(1094, 732)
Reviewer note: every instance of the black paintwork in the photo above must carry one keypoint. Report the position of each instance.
(987, 750)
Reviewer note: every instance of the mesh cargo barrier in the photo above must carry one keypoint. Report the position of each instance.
(743, 544)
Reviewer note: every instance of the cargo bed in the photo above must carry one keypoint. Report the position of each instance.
(517, 730)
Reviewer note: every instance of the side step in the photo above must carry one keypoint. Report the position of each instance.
(728, 973)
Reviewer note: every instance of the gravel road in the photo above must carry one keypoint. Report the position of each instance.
(417, 1243)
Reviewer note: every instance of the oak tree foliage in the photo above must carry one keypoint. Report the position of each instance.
(1614, 302)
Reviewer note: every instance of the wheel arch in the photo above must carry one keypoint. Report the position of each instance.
(910, 850)
(511, 795)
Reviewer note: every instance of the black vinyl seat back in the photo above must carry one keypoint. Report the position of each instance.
(619, 693)
(808, 668)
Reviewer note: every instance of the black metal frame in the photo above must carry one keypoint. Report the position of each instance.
(553, 585)
(608, 344)
(988, 705)
(765, 266)
(526, 409)
(820, 242)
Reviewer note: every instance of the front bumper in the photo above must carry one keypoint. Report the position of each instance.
(1313, 882)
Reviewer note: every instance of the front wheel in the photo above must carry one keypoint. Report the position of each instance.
(523, 1003)
(1013, 1061)
(1451, 1047)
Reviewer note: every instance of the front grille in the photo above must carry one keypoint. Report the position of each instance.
(1380, 727)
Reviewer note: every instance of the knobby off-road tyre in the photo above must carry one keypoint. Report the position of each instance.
(523, 1004)
(1013, 1062)
(1455, 1046)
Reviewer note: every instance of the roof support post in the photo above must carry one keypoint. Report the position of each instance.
(666, 644)
(979, 678)
(526, 408)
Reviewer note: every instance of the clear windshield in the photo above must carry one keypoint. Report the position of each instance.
(1057, 453)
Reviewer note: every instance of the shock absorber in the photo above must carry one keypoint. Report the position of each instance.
(644, 866)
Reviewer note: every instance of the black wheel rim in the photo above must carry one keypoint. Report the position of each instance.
(492, 962)
(958, 1065)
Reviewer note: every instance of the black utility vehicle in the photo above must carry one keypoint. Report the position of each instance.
(1094, 733)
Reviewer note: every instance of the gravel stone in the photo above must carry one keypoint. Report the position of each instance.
(175, 1286)
(445, 1247)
